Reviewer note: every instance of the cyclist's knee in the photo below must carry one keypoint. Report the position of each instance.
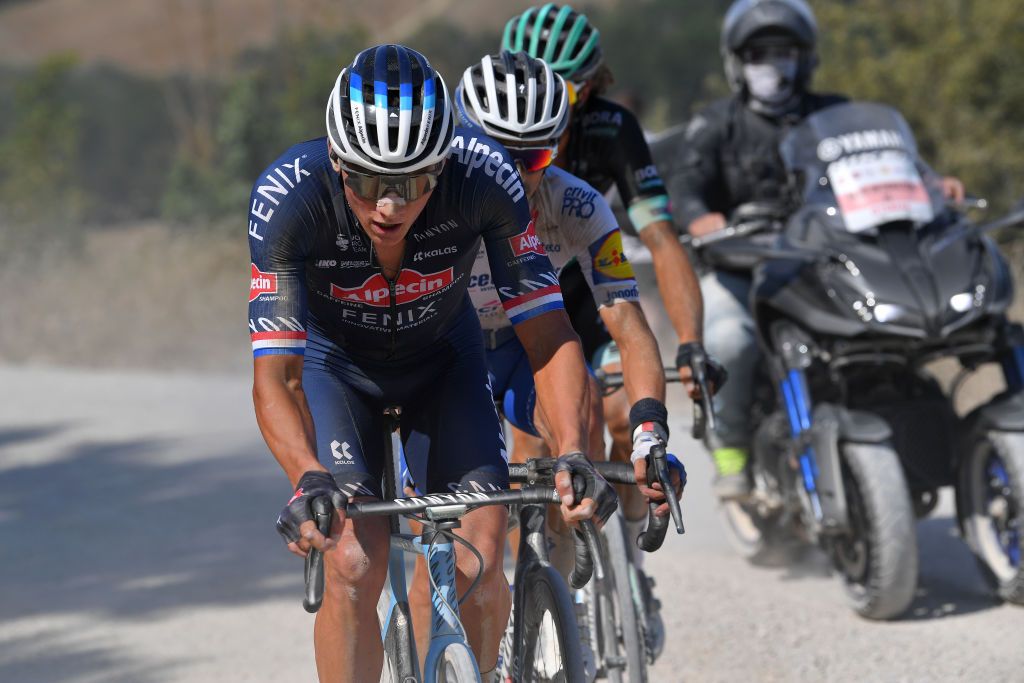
(359, 564)
(616, 415)
(486, 532)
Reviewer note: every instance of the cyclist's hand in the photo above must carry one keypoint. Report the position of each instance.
(645, 437)
(653, 492)
(598, 496)
(707, 224)
(714, 372)
(296, 523)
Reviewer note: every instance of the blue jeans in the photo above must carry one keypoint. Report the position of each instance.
(729, 336)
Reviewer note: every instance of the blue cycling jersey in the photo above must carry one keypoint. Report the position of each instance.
(314, 270)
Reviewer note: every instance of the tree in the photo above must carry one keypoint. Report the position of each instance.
(952, 67)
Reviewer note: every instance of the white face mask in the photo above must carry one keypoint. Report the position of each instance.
(771, 82)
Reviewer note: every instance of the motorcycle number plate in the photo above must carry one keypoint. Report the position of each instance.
(879, 187)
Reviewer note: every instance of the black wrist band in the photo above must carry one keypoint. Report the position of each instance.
(648, 410)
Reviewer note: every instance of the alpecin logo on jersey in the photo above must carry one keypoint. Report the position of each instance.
(526, 242)
(410, 286)
(262, 283)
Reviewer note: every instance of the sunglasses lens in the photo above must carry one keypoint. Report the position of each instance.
(408, 187)
(534, 159)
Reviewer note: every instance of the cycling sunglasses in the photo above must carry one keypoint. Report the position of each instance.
(533, 159)
(374, 186)
(573, 90)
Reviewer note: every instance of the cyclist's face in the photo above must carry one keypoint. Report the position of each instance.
(388, 220)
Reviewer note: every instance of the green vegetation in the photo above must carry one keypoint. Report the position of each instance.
(99, 146)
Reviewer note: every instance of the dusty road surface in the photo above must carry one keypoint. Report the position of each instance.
(137, 546)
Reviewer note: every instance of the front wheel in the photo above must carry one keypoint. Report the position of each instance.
(990, 499)
(877, 558)
(456, 665)
(622, 618)
(550, 641)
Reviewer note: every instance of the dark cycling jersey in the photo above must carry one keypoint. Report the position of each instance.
(369, 343)
(314, 268)
(606, 148)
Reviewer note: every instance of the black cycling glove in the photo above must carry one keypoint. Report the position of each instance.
(312, 484)
(587, 483)
(693, 352)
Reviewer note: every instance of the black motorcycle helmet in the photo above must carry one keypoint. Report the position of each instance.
(784, 20)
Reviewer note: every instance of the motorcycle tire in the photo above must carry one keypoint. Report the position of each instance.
(990, 507)
(877, 560)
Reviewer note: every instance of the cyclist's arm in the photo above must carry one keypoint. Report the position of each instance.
(641, 361)
(279, 242)
(644, 193)
(283, 414)
(560, 376)
(677, 282)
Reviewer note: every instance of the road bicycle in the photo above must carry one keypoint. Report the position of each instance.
(547, 645)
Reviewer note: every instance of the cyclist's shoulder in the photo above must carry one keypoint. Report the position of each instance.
(603, 118)
(481, 166)
(581, 212)
(301, 170)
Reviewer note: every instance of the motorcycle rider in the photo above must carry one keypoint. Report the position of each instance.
(729, 157)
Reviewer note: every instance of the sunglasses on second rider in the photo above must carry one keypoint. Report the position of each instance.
(533, 159)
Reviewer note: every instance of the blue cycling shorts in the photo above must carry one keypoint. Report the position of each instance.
(450, 429)
(512, 382)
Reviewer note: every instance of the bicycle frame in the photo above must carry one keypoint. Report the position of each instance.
(439, 553)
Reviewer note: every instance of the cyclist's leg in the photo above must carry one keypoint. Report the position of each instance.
(453, 442)
(730, 337)
(346, 635)
(616, 416)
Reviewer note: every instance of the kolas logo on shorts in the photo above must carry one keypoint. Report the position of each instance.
(526, 242)
(410, 286)
(610, 262)
(262, 283)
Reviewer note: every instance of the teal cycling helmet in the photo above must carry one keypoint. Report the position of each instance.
(560, 36)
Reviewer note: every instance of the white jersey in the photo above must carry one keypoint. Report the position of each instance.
(572, 221)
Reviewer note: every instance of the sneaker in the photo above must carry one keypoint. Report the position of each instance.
(731, 479)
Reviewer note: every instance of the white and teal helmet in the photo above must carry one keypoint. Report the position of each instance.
(389, 112)
(560, 36)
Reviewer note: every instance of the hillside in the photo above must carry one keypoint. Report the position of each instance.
(164, 36)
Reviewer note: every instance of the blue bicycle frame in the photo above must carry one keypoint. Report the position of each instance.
(439, 553)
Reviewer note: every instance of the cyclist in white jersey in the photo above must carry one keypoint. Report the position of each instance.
(520, 101)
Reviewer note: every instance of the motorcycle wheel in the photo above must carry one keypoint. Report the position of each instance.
(990, 504)
(877, 559)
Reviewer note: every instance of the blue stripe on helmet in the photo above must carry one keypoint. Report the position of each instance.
(405, 96)
(380, 94)
(428, 94)
(355, 88)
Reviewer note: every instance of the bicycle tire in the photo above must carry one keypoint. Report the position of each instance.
(456, 665)
(545, 594)
(628, 613)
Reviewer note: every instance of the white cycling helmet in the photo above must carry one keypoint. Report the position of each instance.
(515, 98)
(389, 112)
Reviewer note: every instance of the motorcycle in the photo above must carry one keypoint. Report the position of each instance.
(856, 290)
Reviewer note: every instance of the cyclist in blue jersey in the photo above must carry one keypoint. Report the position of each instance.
(362, 245)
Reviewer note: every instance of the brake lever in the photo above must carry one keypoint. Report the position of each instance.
(658, 461)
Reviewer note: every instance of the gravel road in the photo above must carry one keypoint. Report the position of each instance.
(137, 545)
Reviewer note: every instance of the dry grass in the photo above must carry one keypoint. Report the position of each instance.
(136, 296)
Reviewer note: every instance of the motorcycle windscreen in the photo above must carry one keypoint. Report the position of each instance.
(875, 188)
(859, 161)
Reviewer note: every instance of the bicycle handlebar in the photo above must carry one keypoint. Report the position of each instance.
(585, 537)
(540, 470)
(704, 417)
